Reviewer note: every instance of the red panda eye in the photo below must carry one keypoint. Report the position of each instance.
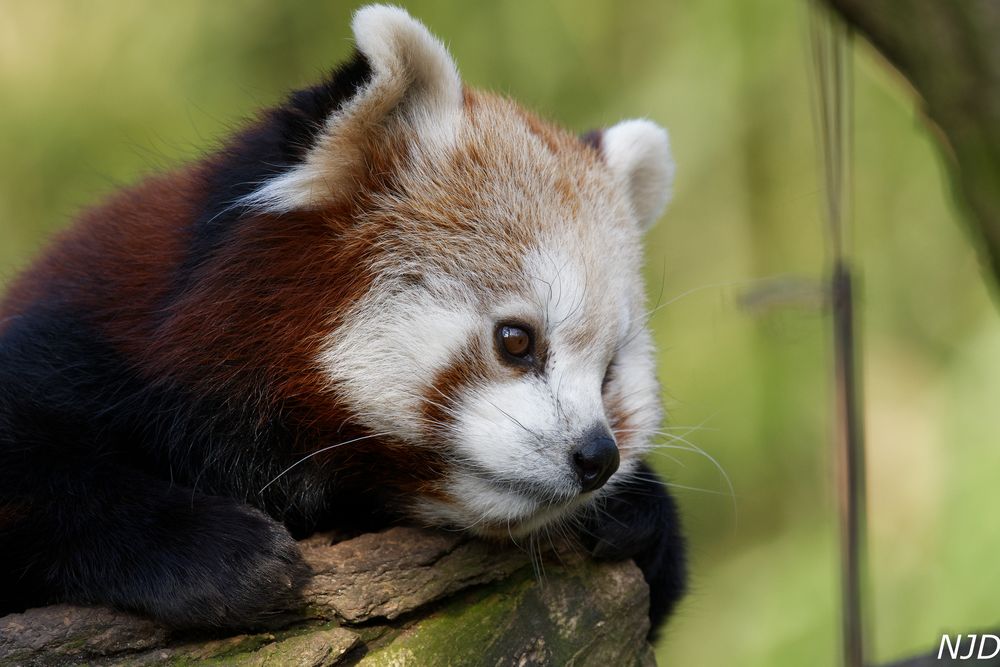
(515, 342)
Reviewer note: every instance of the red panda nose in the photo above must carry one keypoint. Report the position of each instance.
(595, 458)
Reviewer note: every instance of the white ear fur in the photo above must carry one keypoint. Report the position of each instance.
(412, 75)
(638, 152)
(406, 58)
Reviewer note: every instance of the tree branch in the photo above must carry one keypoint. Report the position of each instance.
(950, 52)
(403, 595)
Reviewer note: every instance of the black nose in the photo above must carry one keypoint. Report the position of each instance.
(595, 458)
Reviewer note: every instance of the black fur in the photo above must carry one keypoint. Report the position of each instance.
(265, 150)
(270, 148)
(593, 138)
(84, 445)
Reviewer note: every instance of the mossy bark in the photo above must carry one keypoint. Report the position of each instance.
(401, 597)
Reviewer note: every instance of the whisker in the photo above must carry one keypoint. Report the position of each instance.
(691, 447)
(674, 485)
(320, 451)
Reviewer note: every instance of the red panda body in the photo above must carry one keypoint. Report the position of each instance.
(391, 298)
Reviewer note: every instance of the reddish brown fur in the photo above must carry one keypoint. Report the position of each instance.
(619, 418)
(469, 367)
(115, 261)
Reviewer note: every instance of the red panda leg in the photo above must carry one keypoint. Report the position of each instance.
(639, 520)
(82, 517)
(112, 536)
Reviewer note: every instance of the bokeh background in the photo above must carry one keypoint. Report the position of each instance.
(93, 95)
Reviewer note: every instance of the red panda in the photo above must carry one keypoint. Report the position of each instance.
(391, 298)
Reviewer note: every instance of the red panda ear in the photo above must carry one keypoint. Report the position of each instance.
(638, 152)
(411, 79)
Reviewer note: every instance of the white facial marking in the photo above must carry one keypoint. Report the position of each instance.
(488, 511)
(507, 429)
(390, 344)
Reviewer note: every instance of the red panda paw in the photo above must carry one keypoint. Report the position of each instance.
(246, 569)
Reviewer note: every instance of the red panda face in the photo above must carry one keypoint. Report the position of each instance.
(501, 327)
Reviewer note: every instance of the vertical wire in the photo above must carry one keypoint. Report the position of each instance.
(830, 42)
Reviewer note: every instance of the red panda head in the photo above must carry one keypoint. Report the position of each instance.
(496, 313)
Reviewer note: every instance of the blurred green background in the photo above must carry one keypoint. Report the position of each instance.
(93, 95)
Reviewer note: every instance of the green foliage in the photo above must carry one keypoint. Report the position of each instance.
(96, 94)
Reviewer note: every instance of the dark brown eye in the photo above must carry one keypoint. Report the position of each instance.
(515, 342)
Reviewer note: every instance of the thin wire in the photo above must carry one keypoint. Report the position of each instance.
(830, 41)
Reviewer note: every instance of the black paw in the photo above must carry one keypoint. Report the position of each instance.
(639, 520)
(219, 564)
